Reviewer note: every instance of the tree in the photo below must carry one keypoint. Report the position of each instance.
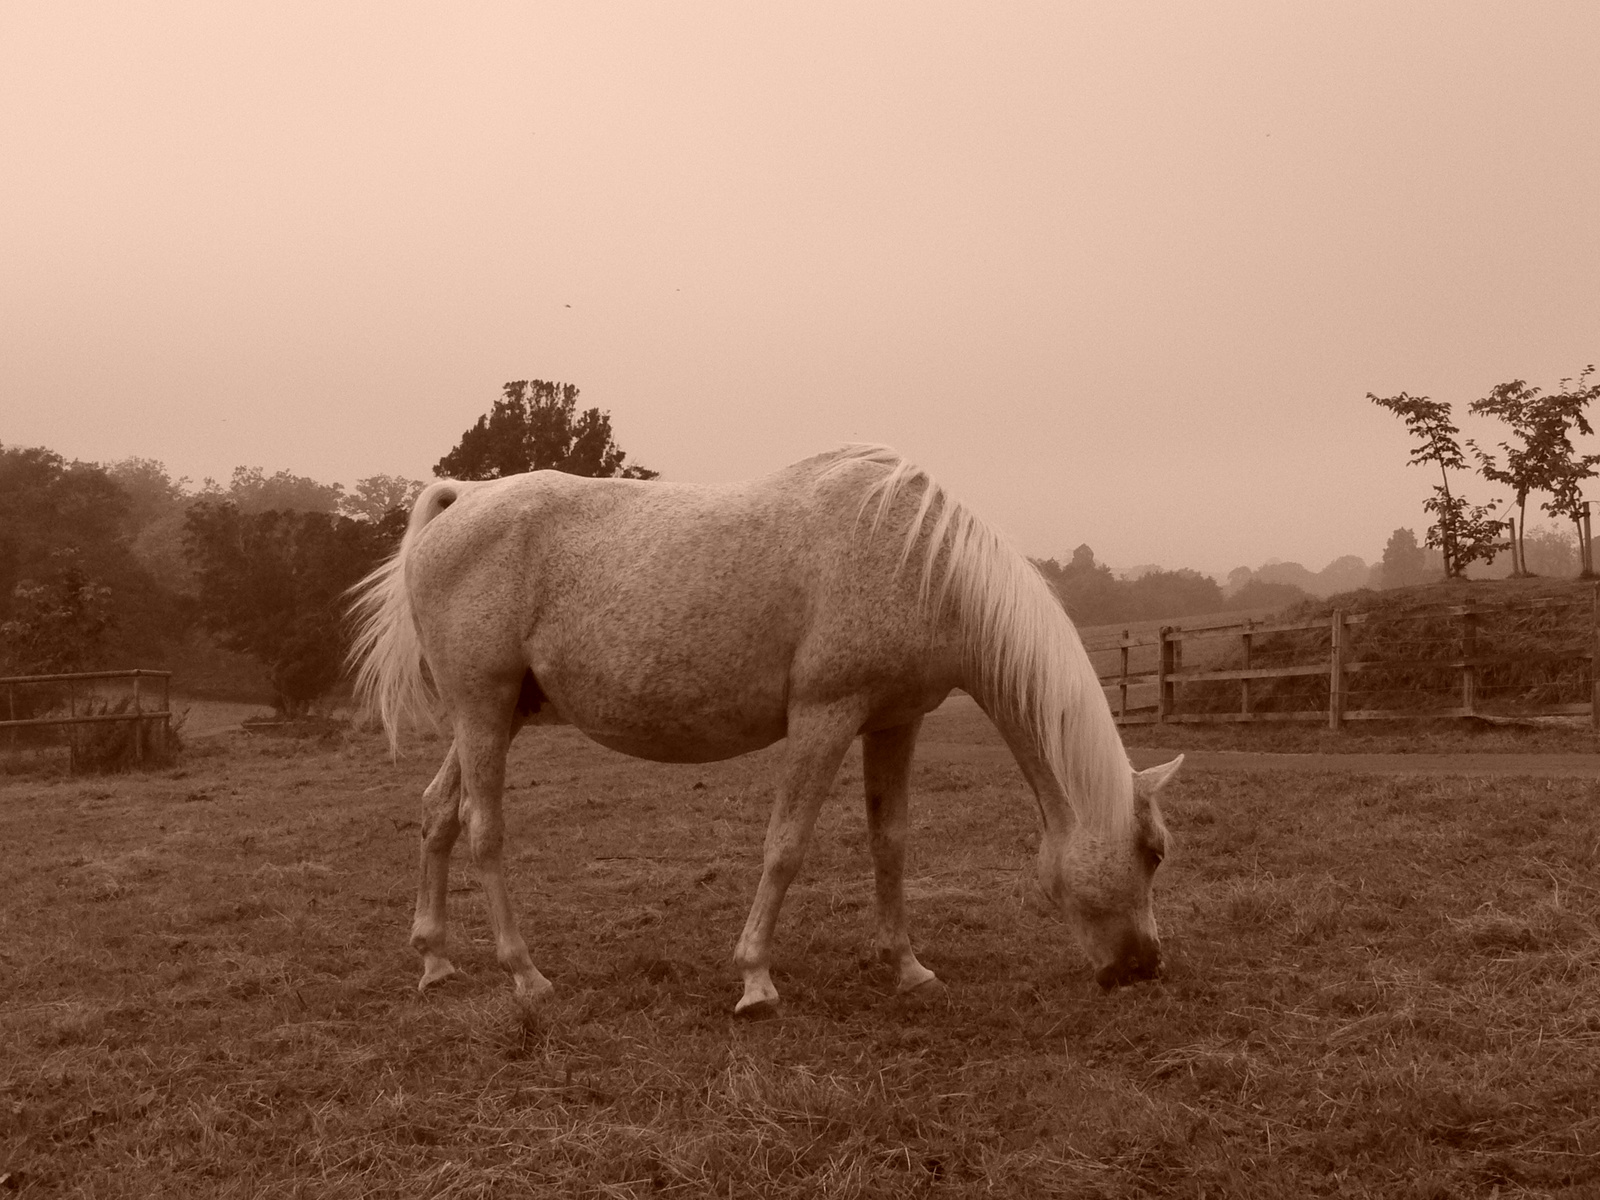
(152, 493)
(1464, 532)
(1402, 560)
(1543, 459)
(273, 584)
(376, 495)
(56, 627)
(48, 505)
(252, 490)
(1552, 552)
(1183, 592)
(1569, 470)
(534, 426)
(1087, 589)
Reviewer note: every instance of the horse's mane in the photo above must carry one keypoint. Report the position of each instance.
(1023, 648)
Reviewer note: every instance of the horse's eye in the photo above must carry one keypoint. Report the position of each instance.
(1155, 857)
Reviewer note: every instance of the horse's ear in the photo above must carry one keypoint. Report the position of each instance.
(1152, 779)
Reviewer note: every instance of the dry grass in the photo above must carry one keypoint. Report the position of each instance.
(1377, 987)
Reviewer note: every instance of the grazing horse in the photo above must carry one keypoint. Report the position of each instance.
(843, 596)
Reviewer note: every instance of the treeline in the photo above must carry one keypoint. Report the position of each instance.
(121, 565)
(1093, 595)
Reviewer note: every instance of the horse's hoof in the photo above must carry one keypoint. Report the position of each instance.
(757, 1010)
(435, 974)
(531, 988)
(930, 991)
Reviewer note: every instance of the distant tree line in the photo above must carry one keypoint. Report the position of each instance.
(122, 565)
(1093, 595)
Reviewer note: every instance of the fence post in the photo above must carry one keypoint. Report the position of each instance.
(1244, 684)
(1163, 669)
(1336, 671)
(72, 730)
(1122, 710)
(1594, 662)
(1469, 670)
(166, 715)
(138, 724)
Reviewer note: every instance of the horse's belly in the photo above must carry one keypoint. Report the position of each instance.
(677, 717)
(695, 749)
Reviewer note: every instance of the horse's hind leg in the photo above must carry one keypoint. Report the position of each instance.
(886, 771)
(441, 822)
(481, 746)
(817, 741)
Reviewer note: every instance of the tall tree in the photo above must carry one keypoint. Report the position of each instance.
(1464, 532)
(534, 426)
(273, 584)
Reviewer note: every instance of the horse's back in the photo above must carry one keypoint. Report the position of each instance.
(676, 620)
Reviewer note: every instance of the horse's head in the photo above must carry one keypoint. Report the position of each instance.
(1100, 884)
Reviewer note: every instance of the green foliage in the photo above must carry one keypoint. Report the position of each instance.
(1464, 532)
(273, 584)
(534, 426)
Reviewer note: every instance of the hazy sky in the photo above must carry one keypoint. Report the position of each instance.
(1118, 274)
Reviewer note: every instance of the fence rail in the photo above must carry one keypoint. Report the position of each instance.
(1336, 662)
(148, 723)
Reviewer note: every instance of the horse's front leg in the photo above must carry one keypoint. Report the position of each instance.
(886, 774)
(817, 741)
(441, 822)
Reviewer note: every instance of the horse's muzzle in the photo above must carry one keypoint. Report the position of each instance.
(1135, 964)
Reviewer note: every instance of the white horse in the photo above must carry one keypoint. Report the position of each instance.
(843, 596)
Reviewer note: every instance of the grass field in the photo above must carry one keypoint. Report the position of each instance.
(1377, 987)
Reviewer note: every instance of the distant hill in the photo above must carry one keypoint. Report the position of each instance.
(1344, 574)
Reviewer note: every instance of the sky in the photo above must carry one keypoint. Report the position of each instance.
(1119, 274)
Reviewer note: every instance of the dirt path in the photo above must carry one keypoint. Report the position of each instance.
(207, 717)
(959, 732)
(1543, 766)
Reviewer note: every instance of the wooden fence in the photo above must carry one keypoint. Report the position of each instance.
(1337, 664)
(152, 724)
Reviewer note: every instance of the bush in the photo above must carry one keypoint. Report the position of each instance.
(110, 746)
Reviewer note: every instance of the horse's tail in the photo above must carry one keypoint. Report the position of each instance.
(1023, 652)
(391, 681)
